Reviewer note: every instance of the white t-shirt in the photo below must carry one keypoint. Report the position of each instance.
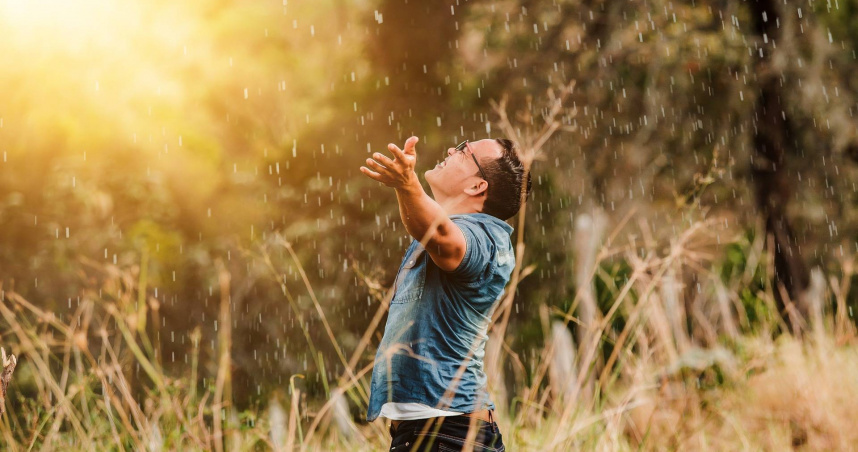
(410, 411)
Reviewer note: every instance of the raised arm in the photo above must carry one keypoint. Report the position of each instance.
(424, 219)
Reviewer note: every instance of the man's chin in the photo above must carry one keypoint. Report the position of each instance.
(429, 175)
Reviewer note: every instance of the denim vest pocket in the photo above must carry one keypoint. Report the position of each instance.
(411, 279)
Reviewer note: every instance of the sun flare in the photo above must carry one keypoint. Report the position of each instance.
(58, 22)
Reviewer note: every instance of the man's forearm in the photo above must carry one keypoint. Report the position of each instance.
(424, 219)
(420, 214)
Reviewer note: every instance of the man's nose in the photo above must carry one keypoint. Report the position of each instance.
(451, 151)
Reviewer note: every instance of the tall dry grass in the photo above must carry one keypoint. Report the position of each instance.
(675, 364)
(94, 381)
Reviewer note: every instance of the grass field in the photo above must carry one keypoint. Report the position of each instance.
(665, 366)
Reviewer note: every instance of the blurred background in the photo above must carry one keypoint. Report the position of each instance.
(149, 148)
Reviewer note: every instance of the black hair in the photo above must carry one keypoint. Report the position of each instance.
(504, 175)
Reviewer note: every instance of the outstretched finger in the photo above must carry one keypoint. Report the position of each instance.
(383, 159)
(410, 145)
(371, 174)
(397, 153)
(377, 167)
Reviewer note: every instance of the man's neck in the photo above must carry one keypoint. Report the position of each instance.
(458, 207)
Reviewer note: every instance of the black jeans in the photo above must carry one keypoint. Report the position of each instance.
(444, 434)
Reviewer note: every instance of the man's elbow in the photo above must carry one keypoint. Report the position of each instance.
(447, 247)
(447, 259)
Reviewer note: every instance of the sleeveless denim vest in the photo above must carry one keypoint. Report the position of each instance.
(434, 340)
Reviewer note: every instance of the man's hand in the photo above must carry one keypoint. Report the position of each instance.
(396, 173)
(424, 219)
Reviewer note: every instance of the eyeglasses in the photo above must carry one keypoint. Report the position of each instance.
(461, 148)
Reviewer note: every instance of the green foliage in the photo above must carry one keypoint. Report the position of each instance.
(751, 283)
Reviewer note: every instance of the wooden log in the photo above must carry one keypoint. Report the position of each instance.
(9, 364)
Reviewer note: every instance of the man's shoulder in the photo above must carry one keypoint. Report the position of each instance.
(493, 227)
(488, 240)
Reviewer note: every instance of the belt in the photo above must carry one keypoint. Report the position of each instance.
(483, 415)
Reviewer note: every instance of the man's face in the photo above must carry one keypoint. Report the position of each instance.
(459, 171)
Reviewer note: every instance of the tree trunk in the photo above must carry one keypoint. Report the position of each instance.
(773, 189)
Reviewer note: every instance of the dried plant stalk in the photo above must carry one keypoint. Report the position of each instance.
(529, 144)
(589, 230)
(9, 364)
(562, 367)
(294, 414)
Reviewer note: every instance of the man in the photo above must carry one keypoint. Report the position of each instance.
(428, 376)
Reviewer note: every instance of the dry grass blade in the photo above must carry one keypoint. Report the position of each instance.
(294, 415)
(223, 385)
(9, 364)
(562, 369)
(277, 420)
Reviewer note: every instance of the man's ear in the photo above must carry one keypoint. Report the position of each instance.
(478, 189)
